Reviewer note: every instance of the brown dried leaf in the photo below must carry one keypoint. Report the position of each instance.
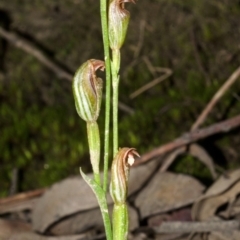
(171, 157)
(221, 185)
(139, 175)
(208, 207)
(8, 227)
(202, 155)
(232, 235)
(34, 236)
(67, 197)
(196, 151)
(88, 220)
(168, 191)
(233, 209)
(73, 195)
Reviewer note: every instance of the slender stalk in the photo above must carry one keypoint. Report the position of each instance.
(120, 222)
(115, 83)
(115, 115)
(104, 22)
(94, 149)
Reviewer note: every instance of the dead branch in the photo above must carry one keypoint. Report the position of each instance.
(234, 76)
(18, 206)
(28, 47)
(169, 160)
(21, 201)
(22, 196)
(171, 157)
(166, 73)
(33, 50)
(190, 137)
(151, 84)
(36, 236)
(188, 227)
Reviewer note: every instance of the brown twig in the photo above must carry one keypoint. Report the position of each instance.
(28, 47)
(190, 137)
(23, 196)
(21, 201)
(33, 50)
(166, 73)
(149, 65)
(169, 159)
(216, 98)
(188, 227)
(18, 206)
(32, 235)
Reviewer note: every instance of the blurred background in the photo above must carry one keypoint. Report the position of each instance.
(189, 48)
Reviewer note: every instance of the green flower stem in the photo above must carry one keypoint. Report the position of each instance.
(94, 149)
(104, 21)
(120, 221)
(115, 65)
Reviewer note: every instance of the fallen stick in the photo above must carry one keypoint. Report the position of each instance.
(166, 74)
(32, 235)
(18, 206)
(201, 118)
(188, 227)
(20, 202)
(28, 47)
(22, 196)
(33, 50)
(190, 137)
(217, 96)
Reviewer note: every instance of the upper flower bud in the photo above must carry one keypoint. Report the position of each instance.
(120, 173)
(87, 90)
(118, 23)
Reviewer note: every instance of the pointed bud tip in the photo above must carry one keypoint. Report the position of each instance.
(130, 1)
(97, 64)
(126, 1)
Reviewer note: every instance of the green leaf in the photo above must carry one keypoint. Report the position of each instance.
(101, 198)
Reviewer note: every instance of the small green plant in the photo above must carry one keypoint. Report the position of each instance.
(87, 89)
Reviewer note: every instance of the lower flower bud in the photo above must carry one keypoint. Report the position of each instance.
(120, 173)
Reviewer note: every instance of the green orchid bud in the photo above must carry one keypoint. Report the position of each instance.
(120, 173)
(118, 23)
(87, 90)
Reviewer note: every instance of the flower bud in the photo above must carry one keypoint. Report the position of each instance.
(118, 23)
(87, 90)
(120, 172)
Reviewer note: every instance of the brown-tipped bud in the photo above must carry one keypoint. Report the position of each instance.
(119, 174)
(118, 23)
(87, 90)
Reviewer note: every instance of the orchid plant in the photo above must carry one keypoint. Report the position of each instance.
(87, 91)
